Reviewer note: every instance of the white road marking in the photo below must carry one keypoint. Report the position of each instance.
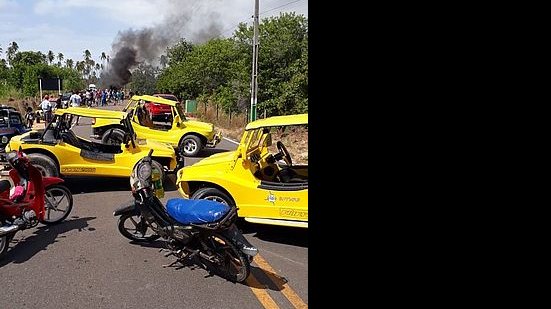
(230, 140)
(285, 258)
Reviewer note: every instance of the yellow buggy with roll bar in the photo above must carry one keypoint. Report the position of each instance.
(261, 180)
(187, 136)
(57, 150)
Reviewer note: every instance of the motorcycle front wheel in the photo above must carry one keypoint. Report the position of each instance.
(230, 263)
(58, 203)
(134, 227)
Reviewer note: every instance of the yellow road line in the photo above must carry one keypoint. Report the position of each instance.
(263, 297)
(279, 282)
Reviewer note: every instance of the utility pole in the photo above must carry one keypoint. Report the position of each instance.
(254, 83)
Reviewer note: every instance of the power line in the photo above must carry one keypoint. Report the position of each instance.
(283, 5)
(264, 12)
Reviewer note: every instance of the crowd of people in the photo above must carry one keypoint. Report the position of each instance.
(93, 97)
(88, 98)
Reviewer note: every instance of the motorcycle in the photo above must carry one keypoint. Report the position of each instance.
(31, 200)
(191, 229)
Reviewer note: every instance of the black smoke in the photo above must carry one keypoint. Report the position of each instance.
(189, 19)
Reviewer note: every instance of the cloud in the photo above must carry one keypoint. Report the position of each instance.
(135, 12)
(8, 4)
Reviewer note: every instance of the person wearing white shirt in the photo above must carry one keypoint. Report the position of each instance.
(46, 107)
(75, 100)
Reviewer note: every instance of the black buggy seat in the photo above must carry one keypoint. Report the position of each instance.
(70, 138)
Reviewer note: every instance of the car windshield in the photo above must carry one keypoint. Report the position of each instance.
(168, 97)
(3, 117)
(15, 119)
(11, 118)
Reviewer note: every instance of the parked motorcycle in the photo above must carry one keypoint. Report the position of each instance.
(31, 199)
(200, 229)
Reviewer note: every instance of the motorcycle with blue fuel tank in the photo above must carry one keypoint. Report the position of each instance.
(193, 230)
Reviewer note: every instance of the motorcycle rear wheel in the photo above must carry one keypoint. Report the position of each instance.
(134, 227)
(232, 264)
(5, 243)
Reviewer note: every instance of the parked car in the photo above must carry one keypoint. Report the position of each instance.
(265, 186)
(11, 124)
(187, 136)
(58, 150)
(160, 112)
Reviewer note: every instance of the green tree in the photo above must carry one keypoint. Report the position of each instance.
(178, 53)
(143, 79)
(28, 58)
(282, 62)
(10, 52)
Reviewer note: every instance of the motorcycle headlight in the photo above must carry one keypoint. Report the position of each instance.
(144, 172)
(5, 139)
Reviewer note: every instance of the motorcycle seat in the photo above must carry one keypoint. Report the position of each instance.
(187, 211)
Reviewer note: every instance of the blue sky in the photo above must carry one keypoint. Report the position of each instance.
(71, 26)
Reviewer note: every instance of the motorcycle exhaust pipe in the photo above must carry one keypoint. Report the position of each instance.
(5, 230)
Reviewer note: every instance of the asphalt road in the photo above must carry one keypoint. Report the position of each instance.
(85, 263)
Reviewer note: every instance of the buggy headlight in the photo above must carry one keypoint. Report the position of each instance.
(5, 139)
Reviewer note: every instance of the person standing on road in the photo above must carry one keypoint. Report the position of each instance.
(75, 102)
(104, 98)
(75, 99)
(29, 117)
(46, 107)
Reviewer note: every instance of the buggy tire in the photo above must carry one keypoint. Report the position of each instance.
(190, 146)
(113, 136)
(213, 194)
(45, 164)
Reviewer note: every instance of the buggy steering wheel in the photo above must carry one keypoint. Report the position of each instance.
(284, 154)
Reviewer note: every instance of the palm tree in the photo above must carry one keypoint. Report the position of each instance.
(12, 49)
(50, 56)
(59, 58)
(87, 55)
(69, 63)
(80, 66)
(98, 66)
(103, 56)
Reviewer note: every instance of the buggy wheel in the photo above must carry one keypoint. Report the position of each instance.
(213, 194)
(113, 136)
(45, 164)
(190, 146)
